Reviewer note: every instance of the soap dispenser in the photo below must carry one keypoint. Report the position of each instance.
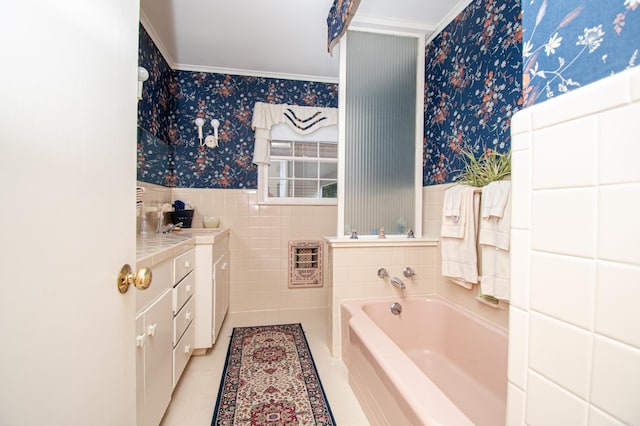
(143, 222)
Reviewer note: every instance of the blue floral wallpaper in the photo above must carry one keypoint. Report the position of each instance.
(230, 99)
(473, 75)
(340, 15)
(567, 44)
(169, 152)
(154, 115)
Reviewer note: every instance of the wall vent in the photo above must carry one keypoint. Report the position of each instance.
(305, 264)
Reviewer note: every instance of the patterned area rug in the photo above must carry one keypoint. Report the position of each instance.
(270, 378)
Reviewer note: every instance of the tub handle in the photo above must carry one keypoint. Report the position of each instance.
(408, 272)
(382, 273)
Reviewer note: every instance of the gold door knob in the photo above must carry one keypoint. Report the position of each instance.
(141, 279)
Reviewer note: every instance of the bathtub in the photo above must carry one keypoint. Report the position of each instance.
(433, 364)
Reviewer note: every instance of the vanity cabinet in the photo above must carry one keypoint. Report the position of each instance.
(183, 312)
(154, 333)
(213, 288)
(164, 333)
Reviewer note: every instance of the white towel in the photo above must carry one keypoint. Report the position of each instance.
(459, 254)
(453, 223)
(494, 198)
(494, 239)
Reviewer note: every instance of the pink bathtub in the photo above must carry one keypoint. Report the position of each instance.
(433, 364)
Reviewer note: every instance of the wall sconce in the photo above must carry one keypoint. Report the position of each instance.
(143, 75)
(200, 122)
(211, 140)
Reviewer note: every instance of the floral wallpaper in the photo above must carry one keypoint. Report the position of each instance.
(169, 152)
(338, 20)
(230, 99)
(473, 75)
(567, 44)
(154, 114)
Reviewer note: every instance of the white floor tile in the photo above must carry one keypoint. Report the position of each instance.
(195, 396)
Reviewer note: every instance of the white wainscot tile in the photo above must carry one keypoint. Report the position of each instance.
(521, 122)
(561, 352)
(521, 141)
(518, 346)
(521, 189)
(617, 296)
(550, 405)
(565, 155)
(600, 418)
(619, 147)
(520, 268)
(515, 406)
(564, 221)
(618, 224)
(615, 385)
(590, 99)
(563, 287)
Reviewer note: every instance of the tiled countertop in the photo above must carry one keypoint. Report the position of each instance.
(156, 248)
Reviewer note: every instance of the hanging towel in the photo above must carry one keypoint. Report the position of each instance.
(453, 224)
(459, 253)
(494, 239)
(494, 198)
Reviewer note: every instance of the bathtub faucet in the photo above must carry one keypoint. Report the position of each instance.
(397, 282)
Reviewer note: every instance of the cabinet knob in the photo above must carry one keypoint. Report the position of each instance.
(151, 330)
(187, 349)
(224, 266)
(187, 264)
(188, 288)
(188, 316)
(141, 279)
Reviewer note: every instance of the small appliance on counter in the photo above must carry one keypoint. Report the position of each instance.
(181, 214)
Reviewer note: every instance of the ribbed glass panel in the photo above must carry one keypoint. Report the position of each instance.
(380, 133)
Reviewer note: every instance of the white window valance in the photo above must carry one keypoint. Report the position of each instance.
(303, 120)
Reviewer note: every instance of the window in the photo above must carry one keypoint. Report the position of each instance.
(303, 169)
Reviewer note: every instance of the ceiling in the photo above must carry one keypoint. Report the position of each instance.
(274, 38)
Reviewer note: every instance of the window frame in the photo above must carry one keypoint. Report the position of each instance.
(283, 133)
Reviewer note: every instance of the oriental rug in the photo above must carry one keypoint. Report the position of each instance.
(270, 378)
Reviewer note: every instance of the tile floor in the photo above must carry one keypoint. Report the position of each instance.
(194, 398)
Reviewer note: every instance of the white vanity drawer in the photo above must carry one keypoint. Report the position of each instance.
(181, 354)
(183, 291)
(182, 319)
(183, 264)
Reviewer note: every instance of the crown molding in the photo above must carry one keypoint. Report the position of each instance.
(254, 73)
(157, 40)
(368, 23)
(449, 17)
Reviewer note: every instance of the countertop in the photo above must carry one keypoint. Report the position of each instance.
(156, 248)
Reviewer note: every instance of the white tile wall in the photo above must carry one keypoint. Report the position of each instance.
(561, 352)
(577, 259)
(548, 404)
(558, 278)
(616, 379)
(259, 237)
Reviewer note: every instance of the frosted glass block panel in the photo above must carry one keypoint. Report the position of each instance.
(380, 133)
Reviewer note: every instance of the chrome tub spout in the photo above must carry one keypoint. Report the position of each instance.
(397, 282)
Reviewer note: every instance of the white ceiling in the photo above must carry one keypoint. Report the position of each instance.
(273, 38)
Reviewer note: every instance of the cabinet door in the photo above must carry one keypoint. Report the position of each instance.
(140, 341)
(222, 292)
(158, 371)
